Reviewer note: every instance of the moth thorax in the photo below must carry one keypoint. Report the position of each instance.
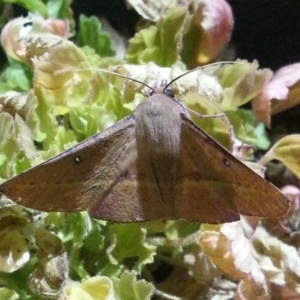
(158, 125)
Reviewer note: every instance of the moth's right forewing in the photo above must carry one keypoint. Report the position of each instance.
(215, 187)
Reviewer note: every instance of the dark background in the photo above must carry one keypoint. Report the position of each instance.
(266, 30)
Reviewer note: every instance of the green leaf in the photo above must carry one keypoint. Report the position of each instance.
(8, 294)
(287, 151)
(7, 144)
(241, 82)
(36, 6)
(127, 287)
(218, 127)
(243, 125)
(262, 141)
(90, 35)
(46, 128)
(25, 138)
(130, 246)
(79, 226)
(58, 9)
(63, 140)
(158, 43)
(16, 146)
(90, 119)
(95, 288)
(17, 76)
(180, 229)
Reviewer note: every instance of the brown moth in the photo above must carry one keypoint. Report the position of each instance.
(154, 164)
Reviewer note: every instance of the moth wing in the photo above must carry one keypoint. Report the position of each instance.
(213, 186)
(98, 175)
(131, 193)
(60, 184)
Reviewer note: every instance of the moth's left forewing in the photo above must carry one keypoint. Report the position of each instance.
(67, 181)
(215, 187)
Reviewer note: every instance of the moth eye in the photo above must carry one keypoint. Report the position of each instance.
(150, 93)
(169, 93)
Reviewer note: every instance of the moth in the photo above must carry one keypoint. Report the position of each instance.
(155, 164)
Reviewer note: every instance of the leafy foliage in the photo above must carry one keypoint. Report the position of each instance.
(56, 96)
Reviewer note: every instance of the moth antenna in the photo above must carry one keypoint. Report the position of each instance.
(205, 116)
(199, 68)
(164, 295)
(120, 75)
(222, 115)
